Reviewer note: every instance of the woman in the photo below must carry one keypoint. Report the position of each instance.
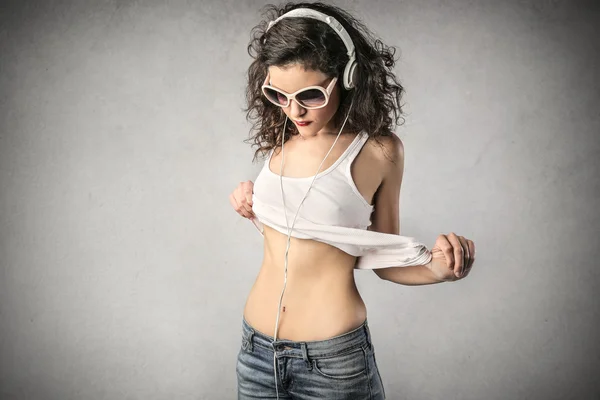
(327, 202)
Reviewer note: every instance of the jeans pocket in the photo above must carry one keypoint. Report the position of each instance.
(347, 365)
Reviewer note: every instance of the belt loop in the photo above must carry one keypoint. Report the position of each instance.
(305, 356)
(250, 341)
(367, 333)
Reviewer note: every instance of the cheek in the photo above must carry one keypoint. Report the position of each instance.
(326, 113)
(331, 108)
(323, 114)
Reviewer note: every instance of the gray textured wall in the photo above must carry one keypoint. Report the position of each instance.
(124, 270)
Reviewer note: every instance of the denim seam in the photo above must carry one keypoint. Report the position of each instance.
(305, 357)
(263, 347)
(342, 352)
(368, 371)
(378, 374)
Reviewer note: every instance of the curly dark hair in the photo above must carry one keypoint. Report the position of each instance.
(315, 46)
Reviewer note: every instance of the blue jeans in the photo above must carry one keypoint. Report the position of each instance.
(339, 368)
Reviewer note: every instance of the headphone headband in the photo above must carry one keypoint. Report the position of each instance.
(350, 69)
(310, 13)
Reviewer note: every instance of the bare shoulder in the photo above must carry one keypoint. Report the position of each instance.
(387, 151)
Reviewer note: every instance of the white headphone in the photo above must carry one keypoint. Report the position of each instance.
(349, 82)
(349, 78)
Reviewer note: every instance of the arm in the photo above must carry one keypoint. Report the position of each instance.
(386, 217)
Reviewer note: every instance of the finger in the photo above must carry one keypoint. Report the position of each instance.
(458, 253)
(247, 208)
(444, 245)
(238, 207)
(243, 202)
(466, 255)
(249, 202)
(471, 245)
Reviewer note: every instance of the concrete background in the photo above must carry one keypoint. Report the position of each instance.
(124, 270)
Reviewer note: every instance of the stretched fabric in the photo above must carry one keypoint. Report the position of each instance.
(374, 249)
(334, 213)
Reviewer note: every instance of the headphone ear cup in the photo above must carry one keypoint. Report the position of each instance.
(350, 75)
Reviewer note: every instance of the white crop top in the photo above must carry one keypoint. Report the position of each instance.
(334, 212)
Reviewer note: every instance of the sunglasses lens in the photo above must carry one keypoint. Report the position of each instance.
(275, 97)
(311, 98)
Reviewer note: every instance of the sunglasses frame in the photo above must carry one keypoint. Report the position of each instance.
(292, 96)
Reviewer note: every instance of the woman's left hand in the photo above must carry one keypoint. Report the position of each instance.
(453, 257)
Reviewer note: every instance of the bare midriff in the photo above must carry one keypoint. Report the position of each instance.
(321, 299)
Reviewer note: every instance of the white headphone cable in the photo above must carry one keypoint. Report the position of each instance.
(293, 223)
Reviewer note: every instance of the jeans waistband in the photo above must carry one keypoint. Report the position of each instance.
(357, 337)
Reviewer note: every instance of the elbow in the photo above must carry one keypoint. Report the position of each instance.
(382, 273)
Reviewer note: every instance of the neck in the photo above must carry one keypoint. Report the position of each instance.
(323, 134)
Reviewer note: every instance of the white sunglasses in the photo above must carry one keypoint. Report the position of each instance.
(310, 97)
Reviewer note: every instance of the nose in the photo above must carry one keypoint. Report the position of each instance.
(296, 110)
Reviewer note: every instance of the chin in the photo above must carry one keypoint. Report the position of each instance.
(310, 130)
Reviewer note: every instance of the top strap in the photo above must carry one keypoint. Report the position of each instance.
(356, 147)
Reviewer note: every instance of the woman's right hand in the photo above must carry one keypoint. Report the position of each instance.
(241, 199)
